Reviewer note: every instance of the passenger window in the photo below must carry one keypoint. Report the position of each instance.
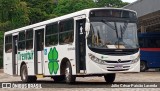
(153, 43)
(158, 43)
(66, 29)
(51, 37)
(21, 41)
(8, 43)
(29, 39)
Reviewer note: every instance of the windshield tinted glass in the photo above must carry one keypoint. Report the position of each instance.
(113, 35)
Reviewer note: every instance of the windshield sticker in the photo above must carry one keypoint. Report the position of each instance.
(45, 51)
(53, 65)
(81, 30)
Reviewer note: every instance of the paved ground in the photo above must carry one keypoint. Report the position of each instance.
(95, 83)
(1, 70)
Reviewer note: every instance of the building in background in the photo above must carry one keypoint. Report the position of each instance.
(148, 12)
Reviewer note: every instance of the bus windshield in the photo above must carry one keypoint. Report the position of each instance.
(113, 35)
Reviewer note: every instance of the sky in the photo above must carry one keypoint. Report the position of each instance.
(130, 1)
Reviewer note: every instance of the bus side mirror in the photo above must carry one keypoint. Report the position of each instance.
(87, 27)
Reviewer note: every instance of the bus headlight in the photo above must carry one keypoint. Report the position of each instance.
(135, 60)
(95, 59)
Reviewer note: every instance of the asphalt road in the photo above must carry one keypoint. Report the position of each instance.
(123, 80)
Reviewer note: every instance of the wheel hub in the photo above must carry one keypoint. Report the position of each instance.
(67, 73)
(142, 66)
(24, 75)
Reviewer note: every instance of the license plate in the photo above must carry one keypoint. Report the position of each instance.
(118, 66)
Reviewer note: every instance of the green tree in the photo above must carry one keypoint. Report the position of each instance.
(1, 49)
(69, 6)
(13, 14)
(40, 10)
(110, 3)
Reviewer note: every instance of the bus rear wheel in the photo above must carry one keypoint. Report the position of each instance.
(143, 66)
(69, 78)
(109, 78)
(24, 75)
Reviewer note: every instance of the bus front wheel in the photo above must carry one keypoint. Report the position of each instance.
(109, 78)
(143, 66)
(69, 78)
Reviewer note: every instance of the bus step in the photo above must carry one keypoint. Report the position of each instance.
(82, 71)
(40, 76)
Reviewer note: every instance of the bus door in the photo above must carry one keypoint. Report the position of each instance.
(14, 54)
(38, 50)
(80, 46)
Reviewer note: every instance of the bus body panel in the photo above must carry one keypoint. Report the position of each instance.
(93, 67)
(150, 48)
(8, 68)
(64, 51)
(152, 57)
(26, 56)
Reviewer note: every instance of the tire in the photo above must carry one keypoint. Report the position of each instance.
(109, 78)
(24, 75)
(69, 78)
(58, 78)
(143, 66)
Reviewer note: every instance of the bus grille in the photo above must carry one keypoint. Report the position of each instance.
(127, 61)
(117, 69)
(112, 68)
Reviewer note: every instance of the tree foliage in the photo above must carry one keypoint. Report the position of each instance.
(40, 10)
(69, 6)
(13, 14)
(110, 3)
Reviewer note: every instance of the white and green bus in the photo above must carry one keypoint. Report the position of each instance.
(90, 42)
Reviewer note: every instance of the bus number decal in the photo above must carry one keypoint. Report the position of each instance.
(53, 63)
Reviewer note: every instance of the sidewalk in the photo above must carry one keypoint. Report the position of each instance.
(1, 70)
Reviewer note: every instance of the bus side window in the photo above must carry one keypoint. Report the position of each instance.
(8, 43)
(152, 43)
(61, 27)
(29, 39)
(51, 35)
(21, 41)
(66, 34)
(141, 42)
(158, 43)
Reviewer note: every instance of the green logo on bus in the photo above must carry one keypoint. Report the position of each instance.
(53, 63)
(25, 56)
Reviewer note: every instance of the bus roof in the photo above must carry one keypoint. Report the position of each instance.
(43, 23)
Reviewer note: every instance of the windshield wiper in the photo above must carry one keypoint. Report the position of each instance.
(107, 23)
(123, 29)
(111, 26)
